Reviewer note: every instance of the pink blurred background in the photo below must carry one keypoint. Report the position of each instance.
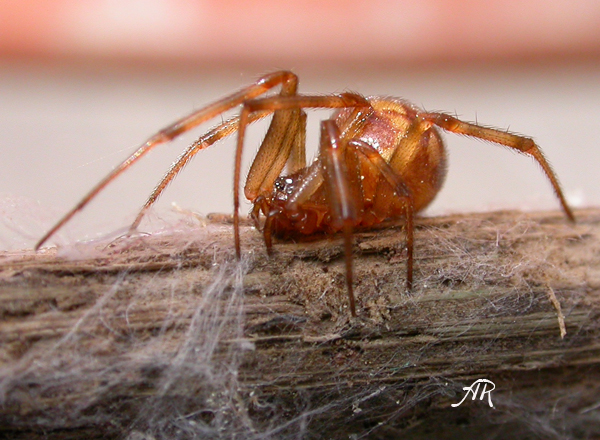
(83, 83)
(313, 31)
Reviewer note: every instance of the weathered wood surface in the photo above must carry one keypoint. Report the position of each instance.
(151, 336)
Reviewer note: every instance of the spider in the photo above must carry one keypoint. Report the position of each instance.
(379, 158)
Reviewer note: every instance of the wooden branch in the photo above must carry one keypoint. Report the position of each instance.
(152, 336)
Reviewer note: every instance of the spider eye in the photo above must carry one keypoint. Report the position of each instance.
(280, 184)
(284, 185)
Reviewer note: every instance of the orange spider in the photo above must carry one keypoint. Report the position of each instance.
(379, 158)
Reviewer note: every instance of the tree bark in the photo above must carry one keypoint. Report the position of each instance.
(166, 336)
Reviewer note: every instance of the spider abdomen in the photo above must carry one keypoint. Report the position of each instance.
(421, 164)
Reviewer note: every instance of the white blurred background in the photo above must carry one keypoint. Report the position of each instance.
(83, 84)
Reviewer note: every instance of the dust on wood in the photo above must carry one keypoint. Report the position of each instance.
(481, 308)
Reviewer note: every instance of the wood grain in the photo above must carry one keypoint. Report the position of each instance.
(129, 339)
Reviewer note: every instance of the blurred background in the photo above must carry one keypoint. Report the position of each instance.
(82, 84)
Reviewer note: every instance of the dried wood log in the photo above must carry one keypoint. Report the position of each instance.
(166, 336)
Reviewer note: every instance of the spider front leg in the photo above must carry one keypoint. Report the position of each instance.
(206, 140)
(521, 144)
(289, 85)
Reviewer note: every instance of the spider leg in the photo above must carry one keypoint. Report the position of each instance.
(286, 133)
(206, 140)
(521, 144)
(341, 171)
(339, 194)
(297, 159)
(274, 153)
(400, 191)
(286, 79)
(284, 142)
